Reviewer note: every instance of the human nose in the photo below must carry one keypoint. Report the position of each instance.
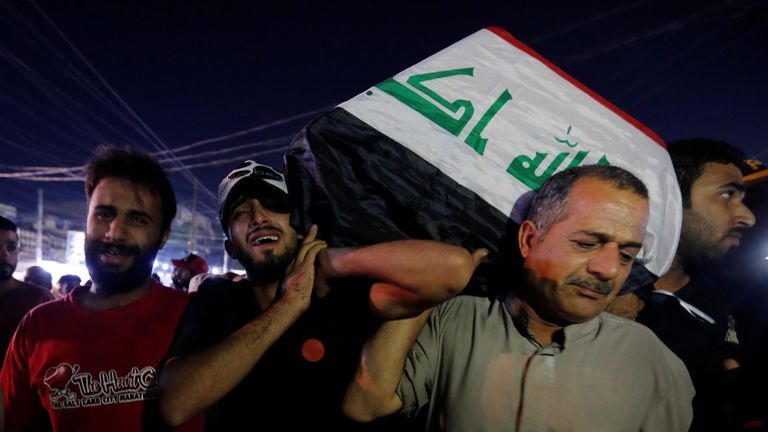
(744, 216)
(605, 264)
(115, 230)
(260, 214)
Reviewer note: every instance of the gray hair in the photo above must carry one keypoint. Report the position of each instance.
(549, 204)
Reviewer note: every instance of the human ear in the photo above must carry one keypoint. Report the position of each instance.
(527, 237)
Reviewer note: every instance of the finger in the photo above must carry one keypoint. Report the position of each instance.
(311, 234)
(311, 254)
(301, 256)
(317, 246)
(479, 255)
(301, 253)
(306, 242)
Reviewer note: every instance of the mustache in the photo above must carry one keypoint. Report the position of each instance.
(602, 287)
(117, 248)
(735, 232)
(264, 227)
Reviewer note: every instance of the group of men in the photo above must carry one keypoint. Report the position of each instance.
(338, 337)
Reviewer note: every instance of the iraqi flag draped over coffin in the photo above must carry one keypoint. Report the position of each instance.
(453, 147)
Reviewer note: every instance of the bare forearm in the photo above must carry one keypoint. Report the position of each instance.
(371, 394)
(190, 384)
(432, 270)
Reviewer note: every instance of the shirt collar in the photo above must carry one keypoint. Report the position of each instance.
(570, 334)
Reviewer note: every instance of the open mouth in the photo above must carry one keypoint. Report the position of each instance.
(263, 236)
(113, 258)
(116, 254)
(111, 249)
(734, 236)
(115, 251)
(263, 240)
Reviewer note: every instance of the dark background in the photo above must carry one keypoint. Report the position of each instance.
(222, 81)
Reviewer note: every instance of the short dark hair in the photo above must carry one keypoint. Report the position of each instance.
(549, 204)
(37, 275)
(689, 156)
(70, 278)
(7, 225)
(136, 166)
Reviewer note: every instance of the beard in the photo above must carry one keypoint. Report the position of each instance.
(699, 240)
(272, 268)
(6, 271)
(110, 278)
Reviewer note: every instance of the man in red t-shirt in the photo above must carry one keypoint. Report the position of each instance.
(88, 361)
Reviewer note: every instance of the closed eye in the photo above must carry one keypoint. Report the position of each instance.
(627, 257)
(585, 245)
(239, 213)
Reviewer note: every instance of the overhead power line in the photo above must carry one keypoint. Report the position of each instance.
(155, 141)
(75, 173)
(246, 131)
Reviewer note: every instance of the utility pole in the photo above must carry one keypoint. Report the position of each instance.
(39, 248)
(192, 246)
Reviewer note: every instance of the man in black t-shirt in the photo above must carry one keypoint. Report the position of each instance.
(686, 309)
(281, 343)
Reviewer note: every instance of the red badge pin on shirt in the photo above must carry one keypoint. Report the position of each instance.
(312, 350)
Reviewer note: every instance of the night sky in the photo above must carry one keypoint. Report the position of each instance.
(170, 74)
(208, 78)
